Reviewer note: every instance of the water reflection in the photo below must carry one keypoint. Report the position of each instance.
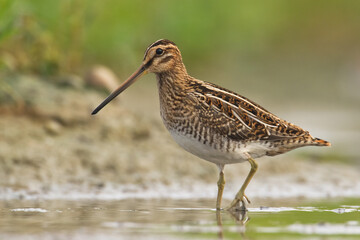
(164, 219)
(240, 218)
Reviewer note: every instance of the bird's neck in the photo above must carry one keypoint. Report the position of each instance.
(175, 78)
(173, 88)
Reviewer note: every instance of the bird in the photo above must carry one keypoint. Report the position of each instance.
(212, 122)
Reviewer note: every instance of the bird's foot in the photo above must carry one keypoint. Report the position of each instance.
(235, 205)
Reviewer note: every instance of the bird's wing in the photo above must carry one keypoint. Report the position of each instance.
(238, 117)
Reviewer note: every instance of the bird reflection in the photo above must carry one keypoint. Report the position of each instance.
(240, 218)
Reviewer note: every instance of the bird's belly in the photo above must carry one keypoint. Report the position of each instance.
(237, 153)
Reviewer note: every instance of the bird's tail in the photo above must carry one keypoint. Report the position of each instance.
(302, 141)
(320, 142)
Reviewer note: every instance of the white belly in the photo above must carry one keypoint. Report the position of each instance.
(241, 153)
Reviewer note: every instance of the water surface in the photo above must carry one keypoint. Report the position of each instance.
(177, 219)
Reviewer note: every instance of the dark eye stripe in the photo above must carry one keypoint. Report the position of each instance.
(149, 63)
(166, 59)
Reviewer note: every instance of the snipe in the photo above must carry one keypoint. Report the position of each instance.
(212, 122)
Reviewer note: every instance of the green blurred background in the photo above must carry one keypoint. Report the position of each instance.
(292, 45)
(299, 59)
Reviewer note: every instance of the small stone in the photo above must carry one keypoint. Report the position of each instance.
(53, 128)
(101, 77)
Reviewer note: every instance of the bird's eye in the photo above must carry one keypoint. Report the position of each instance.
(159, 51)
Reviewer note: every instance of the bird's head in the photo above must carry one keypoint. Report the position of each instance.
(161, 56)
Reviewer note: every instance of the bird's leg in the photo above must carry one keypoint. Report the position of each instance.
(240, 196)
(221, 184)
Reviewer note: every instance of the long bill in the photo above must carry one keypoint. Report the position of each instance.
(140, 71)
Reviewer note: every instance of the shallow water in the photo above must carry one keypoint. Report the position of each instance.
(177, 219)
